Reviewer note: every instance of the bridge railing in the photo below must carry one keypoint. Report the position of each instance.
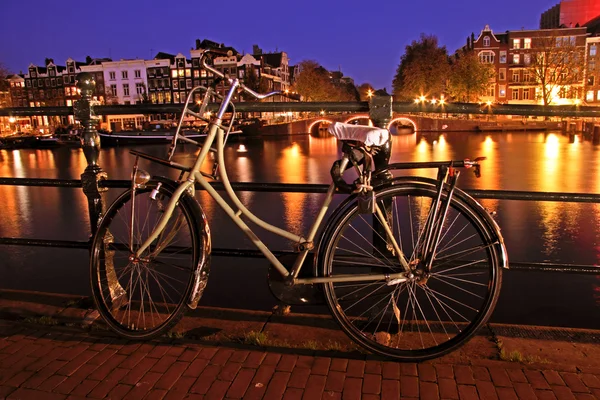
(94, 181)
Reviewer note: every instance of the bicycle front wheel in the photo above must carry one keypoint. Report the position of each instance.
(431, 312)
(141, 298)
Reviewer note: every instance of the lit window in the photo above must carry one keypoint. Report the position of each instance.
(516, 43)
(515, 77)
(174, 73)
(486, 57)
(515, 94)
(527, 59)
(503, 57)
(593, 50)
(589, 96)
(527, 43)
(502, 90)
(516, 58)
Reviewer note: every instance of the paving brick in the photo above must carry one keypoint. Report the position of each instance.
(196, 367)
(352, 389)
(103, 370)
(409, 386)
(208, 352)
(293, 394)
(188, 355)
(536, 379)
(427, 373)
(240, 384)
(448, 388)
(85, 387)
(525, 391)
(159, 351)
(339, 364)
(516, 375)
(543, 394)
(287, 363)
(254, 359)
(139, 371)
(409, 369)
(52, 382)
(464, 375)
(390, 389)
(19, 378)
(486, 390)
(229, 371)
(574, 383)
(335, 381)
(320, 365)
(76, 362)
(305, 362)
(205, 380)
(562, 392)
(271, 359)
(169, 378)
(134, 359)
(26, 394)
(373, 367)
(371, 384)
(590, 380)
(355, 369)
(481, 374)
(390, 370)
(119, 391)
(175, 351)
(506, 393)
(553, 378)
(500, 377)
(163, 364)
(429, 390)
(221, 356)
(467, 392)
(277, 385)
(156, 394)
(217, 390)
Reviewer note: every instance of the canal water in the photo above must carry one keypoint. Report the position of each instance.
(534, 231)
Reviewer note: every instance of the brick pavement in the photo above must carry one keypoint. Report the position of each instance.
(41, 362)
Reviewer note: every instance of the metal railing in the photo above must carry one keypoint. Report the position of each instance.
(94, 180)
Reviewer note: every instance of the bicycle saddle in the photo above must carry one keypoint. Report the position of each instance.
(369, 135)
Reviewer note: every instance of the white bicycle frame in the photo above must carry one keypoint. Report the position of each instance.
(216, 133)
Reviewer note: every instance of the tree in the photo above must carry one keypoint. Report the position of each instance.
(423, 70)
(109, 96)
(556, 64)
(365, 91)
(313, 83)
(469, 79)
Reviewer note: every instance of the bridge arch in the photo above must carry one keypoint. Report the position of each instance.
(403, 121)
(316, 123)
(359, 117)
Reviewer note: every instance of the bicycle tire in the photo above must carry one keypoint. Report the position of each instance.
(421, 318)
(145, 298)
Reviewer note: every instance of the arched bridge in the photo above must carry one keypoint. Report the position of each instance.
(398, 125)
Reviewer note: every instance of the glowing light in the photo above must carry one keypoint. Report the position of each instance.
(489, 103)
(369, 93)
(242, 149)
(12, 120)
(433, 101)
(422, 98)
(417, 100)
(577, 102)
(322, 112)
(442, 102)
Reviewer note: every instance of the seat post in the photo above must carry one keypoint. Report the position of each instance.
(380, 112)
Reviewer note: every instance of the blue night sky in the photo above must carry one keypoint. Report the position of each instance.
(363, 39)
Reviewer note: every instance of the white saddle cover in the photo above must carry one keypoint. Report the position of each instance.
(368, 135)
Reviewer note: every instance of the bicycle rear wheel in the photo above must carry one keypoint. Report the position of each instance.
(429, 314)
(143, 298)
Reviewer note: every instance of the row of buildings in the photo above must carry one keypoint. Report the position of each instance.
(566, 50)
(166, 79)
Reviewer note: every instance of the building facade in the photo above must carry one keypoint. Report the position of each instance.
(513, 56)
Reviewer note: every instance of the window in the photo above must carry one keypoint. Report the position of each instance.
(502, 90)
(126, 89)
(516, 43)
(180, 73)
(175, 84)
(502, 74)
(34, 83)
(593, 50)
(53, 82)
(526, 76)
(486, 57)
(491, 91)
(515, 94)
(515, 77)
(137, 73)
(590, 80)
(188, 73)
(527, 59)
(124, 74)
(139, 88)
(195, 62)
(28, 83)
(516, 58)
(592, 66)
(525, 94)
(589, 96)
(503, 57)
(241, 74)
(112, 76)
(188, 83)
(196, 73)
(486, 41)
(598, 95)
(527, 43)
(113, 90)
(174, 73)
(52, 72)
(65, 79)
(71, 69)
(176, 97)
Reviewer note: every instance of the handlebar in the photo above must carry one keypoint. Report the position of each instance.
(256, 95)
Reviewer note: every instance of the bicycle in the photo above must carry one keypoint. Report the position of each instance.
(410, 267)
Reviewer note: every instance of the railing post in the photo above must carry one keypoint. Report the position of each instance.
(90, 140)
(380, 112)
